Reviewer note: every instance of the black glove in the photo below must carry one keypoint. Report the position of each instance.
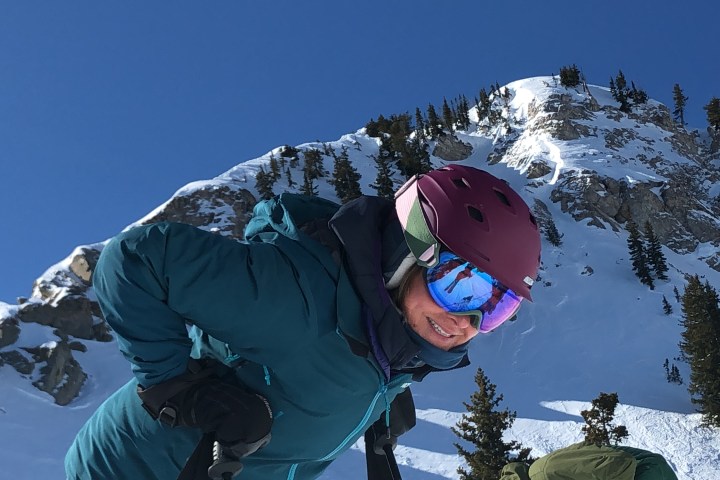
(235, 415)
(200, 398)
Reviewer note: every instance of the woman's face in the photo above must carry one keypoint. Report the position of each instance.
(429, 320)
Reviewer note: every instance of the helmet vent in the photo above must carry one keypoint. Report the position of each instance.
(501, 196)
(475, 214)
(460, 183)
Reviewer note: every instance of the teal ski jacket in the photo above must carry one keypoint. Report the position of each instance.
(285, 302)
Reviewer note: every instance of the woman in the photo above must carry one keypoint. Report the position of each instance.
(302, 336)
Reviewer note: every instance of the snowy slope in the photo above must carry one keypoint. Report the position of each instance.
(589, 330)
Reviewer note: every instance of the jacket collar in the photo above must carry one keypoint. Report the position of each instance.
(374, 248)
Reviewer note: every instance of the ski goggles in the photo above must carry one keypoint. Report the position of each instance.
(462, 289)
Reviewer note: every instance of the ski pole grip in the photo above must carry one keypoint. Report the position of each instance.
(225, 466)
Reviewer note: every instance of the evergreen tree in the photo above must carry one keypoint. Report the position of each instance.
(448, 117)
(570, 76)
(282, 162)
(599, 429)
(638, 95)
(483, 426)
(434, 126)
(552, 234)
(399, 131)
(454, 111)
(419, 124)
(622, 97)
(613, 88)
(675, 376)
(420, 148)
(377, 128)
(264, 184)
(274, 168)
(463, 117)
(667, 308)
(308, 186)
(620, 82)
(346, 178)
(672, 373)
(654, 253)
(679, 99)
(494, 116)
(414, 158)
(289, 152)
(713, 113)
(314, 167)
(383, 181)
(290, 181)
(622, 92)
(484, 105)
(700, 346)
(638, 255)
(677, 294)
(371, 129)
(328, 149)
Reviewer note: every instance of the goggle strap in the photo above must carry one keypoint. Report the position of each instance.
(423, 245)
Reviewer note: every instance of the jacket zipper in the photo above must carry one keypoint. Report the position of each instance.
(381, 392)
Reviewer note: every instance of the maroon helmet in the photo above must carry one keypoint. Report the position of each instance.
(476, 216)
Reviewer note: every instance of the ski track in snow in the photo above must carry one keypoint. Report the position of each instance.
(553, 156)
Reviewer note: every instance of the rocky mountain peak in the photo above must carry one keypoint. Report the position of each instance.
(609, 166)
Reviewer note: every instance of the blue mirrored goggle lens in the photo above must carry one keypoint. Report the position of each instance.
(461, 288)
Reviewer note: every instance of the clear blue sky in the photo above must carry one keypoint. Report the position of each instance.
(107, 108)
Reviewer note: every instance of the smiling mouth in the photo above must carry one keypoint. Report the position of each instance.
(438, 329)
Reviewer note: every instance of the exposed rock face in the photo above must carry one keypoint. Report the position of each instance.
(542, 214)
(61, 376)
(452, 149)
(587, 196)
(673, 166)
(686, 198)
(222, 209)
(74, 280)
(18, 361)
(9, 331)
(558, 116)
(617, 138)
(75, 315)
(60, 299)
(537, 170)
(83, 264)
(679, 218)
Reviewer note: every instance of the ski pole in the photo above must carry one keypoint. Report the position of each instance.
(392, 463)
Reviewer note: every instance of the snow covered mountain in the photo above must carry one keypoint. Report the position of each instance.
(578, 161)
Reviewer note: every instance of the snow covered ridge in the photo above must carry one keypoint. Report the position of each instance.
(579, 162)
